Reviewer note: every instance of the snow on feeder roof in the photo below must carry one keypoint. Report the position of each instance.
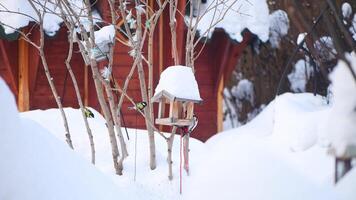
(178, 82)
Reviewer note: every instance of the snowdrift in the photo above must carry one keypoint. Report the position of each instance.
(37, 166)
(278, 155)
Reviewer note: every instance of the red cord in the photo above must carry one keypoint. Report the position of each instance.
(180, 162)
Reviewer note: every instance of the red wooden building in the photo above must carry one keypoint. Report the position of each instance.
(21, 68)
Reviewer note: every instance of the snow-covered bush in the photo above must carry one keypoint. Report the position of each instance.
(279, 25)
(300, 75)
(346, 10)
(244, 91)
(238, 15)
(341, 124)
(325, 48)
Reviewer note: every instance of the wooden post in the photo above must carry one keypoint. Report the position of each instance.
(220, 104)
(161, 109)
(23, 64)
(342, 166)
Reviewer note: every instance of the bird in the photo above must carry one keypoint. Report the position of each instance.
(139, 106)
(88, 113)
(194, 124)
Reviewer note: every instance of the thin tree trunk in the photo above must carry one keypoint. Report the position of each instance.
(100, 93)
(49, 77)
(79, 98)
(152, 148)
(57, 98)
(172, 23)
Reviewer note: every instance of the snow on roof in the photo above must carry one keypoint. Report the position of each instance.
(19, 13)
(252, 14)
(180, 82)
(15, 14)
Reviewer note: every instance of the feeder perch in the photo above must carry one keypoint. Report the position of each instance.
(178, 90)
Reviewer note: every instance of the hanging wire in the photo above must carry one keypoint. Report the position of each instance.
(135, 149)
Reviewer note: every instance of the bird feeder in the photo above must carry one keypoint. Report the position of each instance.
(180, 112)
(178, 90)
(104, 39)
(99, 52)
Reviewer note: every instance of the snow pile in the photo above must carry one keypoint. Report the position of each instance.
(255, 162)
(346, 10)
(302, 111)
(279, 25)
(341, 126)
(300, 75)
(325, 48)
(38, 166)
(237, 16)
(180, 82)
(343, 188)
(244, 91)
(149, 184)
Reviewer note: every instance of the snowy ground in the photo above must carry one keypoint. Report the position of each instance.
(280, 154)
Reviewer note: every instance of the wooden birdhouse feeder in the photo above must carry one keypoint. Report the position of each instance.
(180, 112)
(178, 90)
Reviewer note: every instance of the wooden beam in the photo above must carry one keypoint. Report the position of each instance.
(10, 70)
(225, 45)
(161, 109)
(24, 92)
(219, 109)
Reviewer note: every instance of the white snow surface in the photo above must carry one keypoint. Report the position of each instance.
(300, 75)
(252, 15)
(180, 82)
(340, 125)
(275, 156)
(279, 25)
(280, 154)
(37, 166)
